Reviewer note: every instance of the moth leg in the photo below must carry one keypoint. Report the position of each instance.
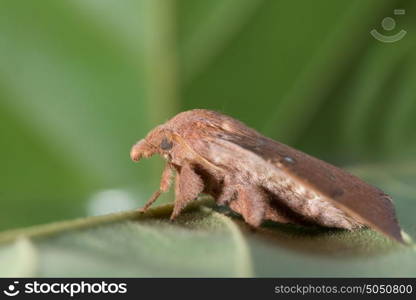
(165, 183)
(228, 192)
(250, 203)
(188, 186)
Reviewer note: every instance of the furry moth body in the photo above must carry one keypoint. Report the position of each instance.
(259, 178)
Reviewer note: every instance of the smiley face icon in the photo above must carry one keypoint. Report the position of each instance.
(389, 24)
(11, 290)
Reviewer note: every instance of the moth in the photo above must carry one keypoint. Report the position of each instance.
(259, 178)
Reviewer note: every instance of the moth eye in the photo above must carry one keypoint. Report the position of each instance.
(166, 144)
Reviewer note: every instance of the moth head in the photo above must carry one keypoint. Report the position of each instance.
(159, 140)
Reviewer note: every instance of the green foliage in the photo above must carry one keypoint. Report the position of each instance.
(81, 81)
(202, 243)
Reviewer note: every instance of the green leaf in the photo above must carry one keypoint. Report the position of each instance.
(201, 243)
(18, 259)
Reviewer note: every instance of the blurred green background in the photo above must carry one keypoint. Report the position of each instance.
(82, 80)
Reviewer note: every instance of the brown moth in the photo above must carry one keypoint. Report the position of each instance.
(259, 178)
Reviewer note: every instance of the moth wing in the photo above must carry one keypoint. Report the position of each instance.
(366, 203)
